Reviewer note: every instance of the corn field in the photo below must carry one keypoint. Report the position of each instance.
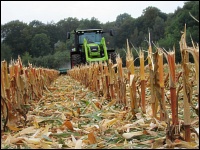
(122, 96)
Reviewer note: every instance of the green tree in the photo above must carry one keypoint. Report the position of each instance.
(26, 58)
(36, 23)
(109, 39)
(158, 29)
(37, 27)
(121, 18)
(61, 59)
(60, 46)
(40, 45)
(52, 30)
(6, 52)
(12, 35)
(134, 36)
(93, 23)
(124, 32)
(124, 27)
(176, 23)
(66, 25)
(149, 16)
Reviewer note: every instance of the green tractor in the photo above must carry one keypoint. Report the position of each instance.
(90, 46)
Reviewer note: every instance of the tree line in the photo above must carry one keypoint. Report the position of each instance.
(46, 45)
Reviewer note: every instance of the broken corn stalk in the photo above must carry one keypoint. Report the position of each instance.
(151, 74)
(170, 56)
(186, 86)
(161, 81)
(132, 85)
(142, 79)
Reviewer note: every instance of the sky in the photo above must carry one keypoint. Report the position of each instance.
(54, 11)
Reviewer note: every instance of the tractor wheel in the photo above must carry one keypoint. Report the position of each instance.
(113, 56)
(75, 60)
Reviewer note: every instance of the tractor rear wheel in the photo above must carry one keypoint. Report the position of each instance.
(75, 60)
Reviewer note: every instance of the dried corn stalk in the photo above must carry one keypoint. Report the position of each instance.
(120, 79)
(173, 132)
(112, 78)
(20, 87)
(187, 90)
(151, 76)
(163, 115)
(132, 84)
(142, 80)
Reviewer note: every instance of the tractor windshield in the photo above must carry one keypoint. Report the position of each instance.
(91, 37)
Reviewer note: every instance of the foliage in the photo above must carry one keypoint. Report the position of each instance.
(61, 59)
(26, 58)
(57, 60)
(109, 39)
(12, 35)
(123, 32)
(60, 46)
(6, 52)
(121, 18)
(40, 45)
(66, 25)
(90, 24)
(178, 20)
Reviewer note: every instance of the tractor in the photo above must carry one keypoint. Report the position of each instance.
(90, 46)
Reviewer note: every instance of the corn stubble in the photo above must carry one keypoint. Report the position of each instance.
(19, 87)
(127, 88)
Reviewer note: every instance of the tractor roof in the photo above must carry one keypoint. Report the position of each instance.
(88, 30)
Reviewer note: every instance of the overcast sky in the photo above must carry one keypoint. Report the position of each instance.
(104, 11)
